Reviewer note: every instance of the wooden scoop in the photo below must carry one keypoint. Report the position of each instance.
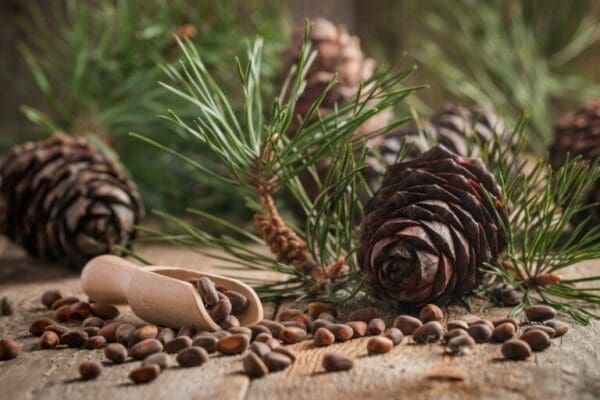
(160, 295)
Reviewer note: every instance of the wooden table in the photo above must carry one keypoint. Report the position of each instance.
(570, 369)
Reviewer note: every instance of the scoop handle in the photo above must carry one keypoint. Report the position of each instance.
(105, 279)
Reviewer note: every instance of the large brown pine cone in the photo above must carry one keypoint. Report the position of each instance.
(458, 128)
(429, 229)
(577, 133)
(62, 199)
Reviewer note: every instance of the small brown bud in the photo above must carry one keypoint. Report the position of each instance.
(376, 327)
(38, 326)
(501, 321)
(261, 349)
(320, 323)
(457, 324)
(109, 331)
(123, 332)
(116, 352)
(431, 312)
(64, 301)
(208, 343)
(220, 310)
(364, 314)
(359, 328)
(342, 332)
(208, 291)
(7, 307)
(74, 338)
(49, 297)
(178, 344)
(160, 359)
(258, 329)
(549, 331)
(58, 329)
(63, 313)
(461, 345)
(545, 279)
(239, 302)
(503, 332)
(407, 324)
(254, 366)
(146, 347)
(166, 335)
(145, 373)
(263, 337)
(290, 335)
(537, 339)
(188, 330)
(287, 352)
(95, 342)
(515, 349)
(316, 308)
(276, 361)
(233, 344)
(142, 333)
(454, 333)
(240, 329)
(327, 317)
(104, 310)
(274, 326)
(430, 332)
(395, 335)
(89, 370)
(192, 357)
(80, 310)
(540, 313)
(230, 321)
(323, 337)
(287, 313)
(379, 345)
(49, 340)
(9, 349)
(334, 361)
(559, 327)
(481, 333)
(93, 321)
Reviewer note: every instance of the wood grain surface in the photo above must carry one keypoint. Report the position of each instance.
(569, 369)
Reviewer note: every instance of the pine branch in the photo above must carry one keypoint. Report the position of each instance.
(263, 162)
(541, 238)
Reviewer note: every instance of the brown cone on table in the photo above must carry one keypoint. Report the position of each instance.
(429, 228)
(337, 53)
(63, 199)
(577, 133)
(460, 129)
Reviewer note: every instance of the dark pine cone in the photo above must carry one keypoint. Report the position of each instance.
(429, 229)
(458, 128)
(577, 133)
(62, 199)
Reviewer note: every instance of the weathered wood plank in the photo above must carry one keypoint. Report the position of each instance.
(569, 369)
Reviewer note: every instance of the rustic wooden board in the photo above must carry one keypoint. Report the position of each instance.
(569, 369)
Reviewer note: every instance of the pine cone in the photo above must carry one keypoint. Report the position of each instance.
(577, 133)
(337, 53)
(62, 199)
(429, 229)
(458, 128)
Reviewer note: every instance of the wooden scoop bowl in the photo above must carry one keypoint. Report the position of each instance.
(160, 295)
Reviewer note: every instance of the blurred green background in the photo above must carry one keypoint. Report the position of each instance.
(92, 67)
